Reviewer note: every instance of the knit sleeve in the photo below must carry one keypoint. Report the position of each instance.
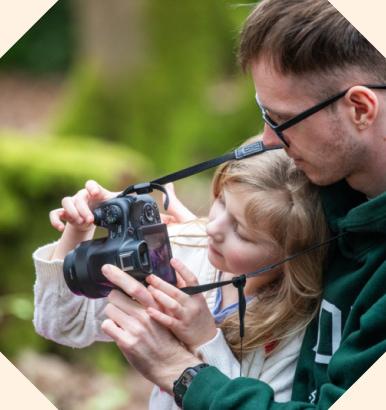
(60, 315)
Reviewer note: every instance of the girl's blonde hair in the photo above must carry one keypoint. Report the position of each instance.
(288, 205)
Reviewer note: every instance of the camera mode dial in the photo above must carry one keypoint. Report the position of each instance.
(113, 214)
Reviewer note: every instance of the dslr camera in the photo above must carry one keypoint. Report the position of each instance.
(137, 243)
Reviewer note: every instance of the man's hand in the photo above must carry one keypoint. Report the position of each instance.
(150, 348)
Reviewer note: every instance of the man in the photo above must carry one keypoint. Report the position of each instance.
(322, 91)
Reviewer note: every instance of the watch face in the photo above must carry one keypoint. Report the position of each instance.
(188, 375)
(182, 384)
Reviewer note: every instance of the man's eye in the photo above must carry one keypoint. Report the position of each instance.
(278, 119)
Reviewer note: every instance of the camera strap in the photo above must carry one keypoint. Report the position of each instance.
(242, 152)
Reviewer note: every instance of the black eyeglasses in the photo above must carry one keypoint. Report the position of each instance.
(278, 129)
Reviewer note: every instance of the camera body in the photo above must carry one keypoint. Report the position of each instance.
(137, 243)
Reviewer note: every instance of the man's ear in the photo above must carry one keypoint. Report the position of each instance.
(364, 106)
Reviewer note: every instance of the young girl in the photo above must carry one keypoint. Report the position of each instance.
(264, 209)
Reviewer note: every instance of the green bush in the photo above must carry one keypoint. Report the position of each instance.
(35, 173)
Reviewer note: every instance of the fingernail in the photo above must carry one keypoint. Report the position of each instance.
(174, 262)
(149, 278)
(155, 279)
(106, 269)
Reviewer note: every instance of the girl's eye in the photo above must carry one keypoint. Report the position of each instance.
(243, 238)
(235, 228)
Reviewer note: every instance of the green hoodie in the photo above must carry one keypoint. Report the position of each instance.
(348, 335)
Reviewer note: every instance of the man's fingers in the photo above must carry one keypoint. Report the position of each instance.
(125, 303)
(117, 315)
(128, 285)
(123, 339)
(111, 329)
(185, 273)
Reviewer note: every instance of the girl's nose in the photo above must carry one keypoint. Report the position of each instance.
(213, 230)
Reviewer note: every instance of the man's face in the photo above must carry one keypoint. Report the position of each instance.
(321, 145)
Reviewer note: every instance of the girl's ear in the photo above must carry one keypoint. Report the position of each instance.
(364, 106)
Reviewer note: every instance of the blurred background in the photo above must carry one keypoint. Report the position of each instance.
(120, 92)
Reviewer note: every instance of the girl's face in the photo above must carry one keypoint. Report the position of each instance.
(232, 246)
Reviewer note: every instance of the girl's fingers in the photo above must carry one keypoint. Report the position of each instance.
(81, 203)
(97, 192)
(180, 281)
(170, 305)
(161, 318)
(167, 219)
(71, 211)
(167, 288)
(93, 188)
(56, 217)
(176, 208)
(189, 278)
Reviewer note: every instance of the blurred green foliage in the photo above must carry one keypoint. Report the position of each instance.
(186, 102)
(35, 173)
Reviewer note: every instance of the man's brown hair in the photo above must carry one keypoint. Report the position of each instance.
(303, 37)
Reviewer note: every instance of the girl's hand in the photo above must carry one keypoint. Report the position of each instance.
(77, 209)
(77, 214)
(188, 317)
(177, 211)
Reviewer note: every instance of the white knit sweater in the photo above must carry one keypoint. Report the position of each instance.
(75, 321)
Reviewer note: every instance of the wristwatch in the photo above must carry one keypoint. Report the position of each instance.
(181, 385)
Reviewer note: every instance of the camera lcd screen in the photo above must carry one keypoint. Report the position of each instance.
(157, 239)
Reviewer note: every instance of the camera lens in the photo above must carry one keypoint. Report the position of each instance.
(149, 213)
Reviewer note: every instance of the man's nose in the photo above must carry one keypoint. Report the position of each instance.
(269, 137)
